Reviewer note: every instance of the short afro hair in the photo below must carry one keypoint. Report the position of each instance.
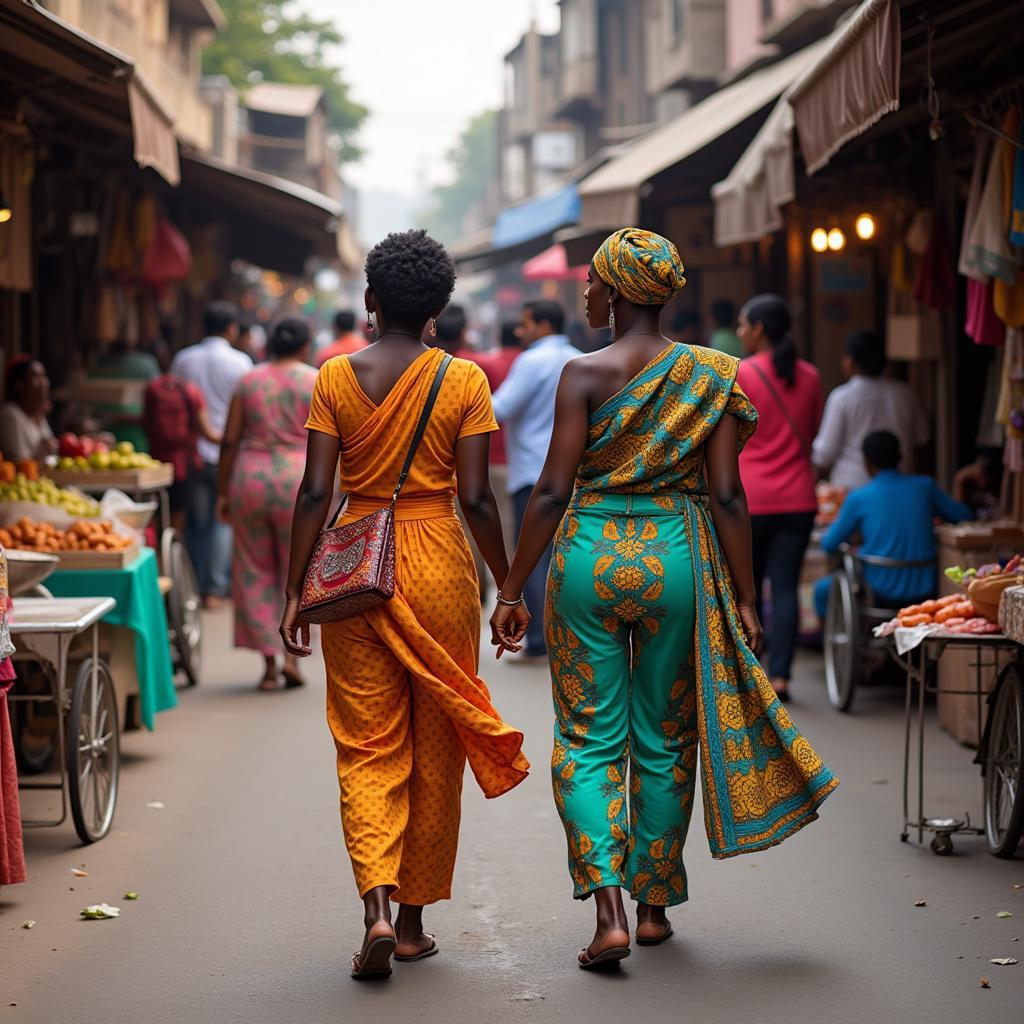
(882, 450)
(411, 276)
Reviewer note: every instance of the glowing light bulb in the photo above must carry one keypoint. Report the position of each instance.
(819, 239)
(836, 239)
(865, 227)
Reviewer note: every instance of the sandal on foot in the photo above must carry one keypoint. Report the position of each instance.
(376, 962)
(666, 933)
(268, 684)
(608, 958)
(432, 950)
(292, 680)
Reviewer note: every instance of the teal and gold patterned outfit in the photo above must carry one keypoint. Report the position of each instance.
(648, 659)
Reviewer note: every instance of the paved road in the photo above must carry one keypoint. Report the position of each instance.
(247, 911)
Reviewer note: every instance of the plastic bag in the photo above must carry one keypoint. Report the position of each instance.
(129, 517)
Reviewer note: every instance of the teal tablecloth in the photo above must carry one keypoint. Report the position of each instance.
(140, 607)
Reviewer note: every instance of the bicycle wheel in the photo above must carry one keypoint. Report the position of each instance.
(184, 605)
(93, 751)
(1004, 765)
(842, 643)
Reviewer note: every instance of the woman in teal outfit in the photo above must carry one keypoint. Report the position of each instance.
(651, 624)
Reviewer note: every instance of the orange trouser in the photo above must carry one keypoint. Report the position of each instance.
(400, 759)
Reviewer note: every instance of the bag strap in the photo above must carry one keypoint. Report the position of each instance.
(421, 427)
(773, 391)
(417, 436)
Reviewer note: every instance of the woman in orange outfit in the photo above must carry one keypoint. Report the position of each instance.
(404, 701)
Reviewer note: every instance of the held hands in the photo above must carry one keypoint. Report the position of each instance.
(752, 631)
(509, 624)
(294, 633)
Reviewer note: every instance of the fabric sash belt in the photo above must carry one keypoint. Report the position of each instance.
(408, 508)
(663, 503)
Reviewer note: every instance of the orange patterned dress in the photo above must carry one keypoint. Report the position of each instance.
(404, 701)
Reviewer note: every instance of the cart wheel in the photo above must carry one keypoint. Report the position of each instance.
(842, 643)
(1004, 766)
(183, 606)
(942, 845)
(93, 751)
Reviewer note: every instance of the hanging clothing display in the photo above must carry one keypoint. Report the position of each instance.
(1008, 292)
(935, 284)
(982, 158)
(989, 250)
(982, 324)
(1017, 201)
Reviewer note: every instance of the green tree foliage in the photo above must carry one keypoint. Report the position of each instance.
(474, 162)
(276, 41)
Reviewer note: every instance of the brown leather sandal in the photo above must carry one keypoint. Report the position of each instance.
(431, 950)
(603, 961)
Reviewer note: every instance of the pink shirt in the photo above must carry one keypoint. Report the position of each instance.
(776, 464)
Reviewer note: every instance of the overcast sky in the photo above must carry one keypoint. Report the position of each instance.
(423, 69)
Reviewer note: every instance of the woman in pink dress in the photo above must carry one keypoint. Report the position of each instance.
(263, 455)
(12, 856)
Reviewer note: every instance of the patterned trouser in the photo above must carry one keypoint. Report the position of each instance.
(620, 622)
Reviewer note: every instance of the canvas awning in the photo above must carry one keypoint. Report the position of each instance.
(542, 215)
(553, 265)
(90, 83)
(748, 203)
(273, 223)
(852, 86)
(611, 196)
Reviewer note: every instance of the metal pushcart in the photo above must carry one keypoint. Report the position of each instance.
(88, 733)
(1000, 745)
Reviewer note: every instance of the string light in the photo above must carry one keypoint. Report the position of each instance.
(5, 209)
(865, 227)
(836, 239)
(819, 240)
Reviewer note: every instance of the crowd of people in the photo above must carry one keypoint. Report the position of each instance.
(633, 525)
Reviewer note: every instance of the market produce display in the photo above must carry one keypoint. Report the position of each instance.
(975, 613)
(26, 535)
(83, 455)
(46, 492)
(10, 471)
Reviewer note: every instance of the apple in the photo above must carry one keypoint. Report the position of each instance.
(87, 446)
(99, 460)
(69, 445)
(101, 448)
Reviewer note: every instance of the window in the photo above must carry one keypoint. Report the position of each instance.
(676, 17)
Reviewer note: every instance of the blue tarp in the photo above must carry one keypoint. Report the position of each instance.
(540, 216)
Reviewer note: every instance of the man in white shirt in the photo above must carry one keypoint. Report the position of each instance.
(214, 366)
(524, 405)
(866, 403)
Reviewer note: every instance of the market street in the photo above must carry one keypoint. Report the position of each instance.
(247, 911)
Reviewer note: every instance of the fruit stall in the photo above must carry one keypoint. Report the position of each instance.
(78, 547)
(980, 624)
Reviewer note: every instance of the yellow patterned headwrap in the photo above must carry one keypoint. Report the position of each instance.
(644, 267)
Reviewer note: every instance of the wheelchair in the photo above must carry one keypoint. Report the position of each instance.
(850, 647)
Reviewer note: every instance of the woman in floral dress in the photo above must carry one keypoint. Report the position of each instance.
(263, 455)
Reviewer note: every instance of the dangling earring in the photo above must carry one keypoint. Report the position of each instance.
(370, 325)
(432, 327)
(611, 317)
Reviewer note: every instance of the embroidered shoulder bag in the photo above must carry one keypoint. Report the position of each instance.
(352, 568)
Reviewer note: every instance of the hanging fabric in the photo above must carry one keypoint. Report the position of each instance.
(935, 283)
(982, 158)
(989, 248)
(982, 325)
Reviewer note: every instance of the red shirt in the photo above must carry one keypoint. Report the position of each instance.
(343, 346)
(495, 366)
(776, 464)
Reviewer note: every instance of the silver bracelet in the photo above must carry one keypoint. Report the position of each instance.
(510, 604)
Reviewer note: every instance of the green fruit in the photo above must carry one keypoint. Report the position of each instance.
(125, 448)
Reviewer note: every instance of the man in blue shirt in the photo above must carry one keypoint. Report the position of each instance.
(894, 515)
(524, 405)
